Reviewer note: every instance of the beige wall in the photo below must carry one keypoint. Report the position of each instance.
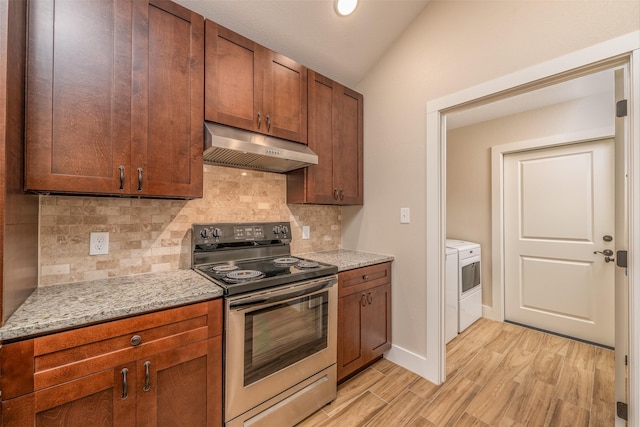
(469, 164)
(452, 45)
(154, 235)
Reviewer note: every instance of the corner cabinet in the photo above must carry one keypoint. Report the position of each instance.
(364, 317)
(251, 87)
(336, 136)
(114, 98)
(162, 368)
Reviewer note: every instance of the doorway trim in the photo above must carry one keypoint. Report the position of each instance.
(625, 50)
(496, 312)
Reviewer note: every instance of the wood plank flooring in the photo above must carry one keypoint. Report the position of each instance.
(498, 374)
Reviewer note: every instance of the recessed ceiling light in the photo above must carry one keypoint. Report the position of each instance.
(345, 7)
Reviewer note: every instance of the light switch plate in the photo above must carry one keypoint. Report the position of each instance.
(306, 232)
(405, 216)
(99, 243)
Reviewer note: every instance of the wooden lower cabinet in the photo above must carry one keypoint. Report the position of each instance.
(162, 368)
(364, 317)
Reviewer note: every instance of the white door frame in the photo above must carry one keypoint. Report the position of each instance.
(619, 50)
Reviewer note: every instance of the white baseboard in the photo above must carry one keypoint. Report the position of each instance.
(490, 313)
(413, 362)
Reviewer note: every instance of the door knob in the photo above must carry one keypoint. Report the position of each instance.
(607, 254)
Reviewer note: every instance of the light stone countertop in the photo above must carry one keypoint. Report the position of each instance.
(58, 307)
(347, 259)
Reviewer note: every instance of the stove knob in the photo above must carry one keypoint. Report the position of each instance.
(276, 230)
(204, 233)
(285, 229)
(216, 232)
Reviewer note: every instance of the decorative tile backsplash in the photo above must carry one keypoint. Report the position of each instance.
(148, 235)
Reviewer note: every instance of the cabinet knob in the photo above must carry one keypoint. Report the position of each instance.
(259, 120)
(136, 340)
(365, 277)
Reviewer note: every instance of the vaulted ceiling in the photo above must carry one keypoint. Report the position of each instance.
(311, 33)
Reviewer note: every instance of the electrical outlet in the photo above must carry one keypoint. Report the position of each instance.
(306, 232)
(99, 243)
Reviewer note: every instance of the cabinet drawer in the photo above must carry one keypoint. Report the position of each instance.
(359, 279)
(45, 361)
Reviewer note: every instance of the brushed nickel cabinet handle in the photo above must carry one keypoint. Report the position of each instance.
(335, 193)
(363, 300)
(139, 179)
(147, 377)
(341, 194)
(125, 393)
(369, 298)
(268, 123)
(259, 120)
(121, 177)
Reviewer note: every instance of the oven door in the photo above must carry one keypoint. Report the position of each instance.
(276, 339)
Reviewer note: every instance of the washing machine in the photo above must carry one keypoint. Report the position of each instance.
(469, 281)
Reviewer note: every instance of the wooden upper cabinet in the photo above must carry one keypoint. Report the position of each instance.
(78, 95)
(336, 136)
(251, 87)
(114, 98)
(168, 100)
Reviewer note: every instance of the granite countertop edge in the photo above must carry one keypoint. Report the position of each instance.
(56, 308)
(348, 259)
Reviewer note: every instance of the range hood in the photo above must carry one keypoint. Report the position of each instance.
(227, 146)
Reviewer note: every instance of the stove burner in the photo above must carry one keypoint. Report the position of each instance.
(285, 261)
(223, 268)
(307, 264)
(244, 275)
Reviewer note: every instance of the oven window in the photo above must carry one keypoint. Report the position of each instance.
(470, 276)
(282, 334)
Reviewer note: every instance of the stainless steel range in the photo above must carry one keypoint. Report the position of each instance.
(280, 322)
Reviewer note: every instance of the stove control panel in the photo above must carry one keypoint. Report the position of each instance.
(220, 233)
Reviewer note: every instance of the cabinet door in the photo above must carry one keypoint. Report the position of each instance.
(377, 321)
(284, 102)
(230, 78)
(182, 387)
(98, 400)
(168, 104)
(78, 95)
(348, 142)
(320, 185)
(350, 336)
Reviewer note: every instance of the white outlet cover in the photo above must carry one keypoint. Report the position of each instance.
(405, 216)
(99, 243)
(306, 232)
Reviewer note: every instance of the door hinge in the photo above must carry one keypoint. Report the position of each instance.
(622, 410)
(621, 108)
(626, 360)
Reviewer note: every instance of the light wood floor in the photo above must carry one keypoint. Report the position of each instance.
(498, 374)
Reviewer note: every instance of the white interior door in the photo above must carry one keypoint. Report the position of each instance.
(558, 208)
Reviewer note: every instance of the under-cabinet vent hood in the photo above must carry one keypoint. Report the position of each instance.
(227, 146)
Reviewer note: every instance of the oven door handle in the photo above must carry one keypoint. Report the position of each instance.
(283, 295)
